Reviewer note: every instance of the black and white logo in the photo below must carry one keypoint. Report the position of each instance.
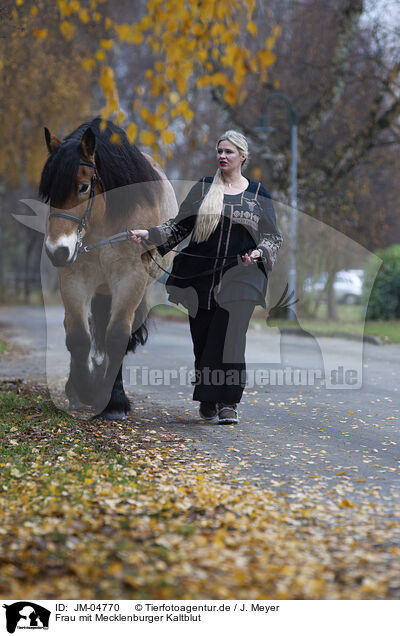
(26, 615)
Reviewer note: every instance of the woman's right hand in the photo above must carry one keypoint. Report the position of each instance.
(137, 235)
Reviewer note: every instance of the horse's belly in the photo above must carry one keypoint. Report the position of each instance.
(103, 289)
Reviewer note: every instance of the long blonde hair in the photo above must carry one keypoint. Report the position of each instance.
(212, 205)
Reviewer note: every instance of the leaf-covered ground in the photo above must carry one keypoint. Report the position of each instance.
(131, 510)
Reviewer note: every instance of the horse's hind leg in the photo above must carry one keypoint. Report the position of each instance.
(118, 406)
(125, 313)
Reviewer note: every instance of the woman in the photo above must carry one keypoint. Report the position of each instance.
(222, 274)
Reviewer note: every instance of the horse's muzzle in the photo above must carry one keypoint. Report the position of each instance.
(60, 257)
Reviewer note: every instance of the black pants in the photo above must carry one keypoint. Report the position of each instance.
(219, 342)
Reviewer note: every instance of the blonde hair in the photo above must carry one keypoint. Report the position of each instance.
(210, 211)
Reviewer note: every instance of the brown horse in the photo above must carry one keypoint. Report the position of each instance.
(98, 185)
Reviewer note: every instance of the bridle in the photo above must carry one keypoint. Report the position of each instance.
(82, 222)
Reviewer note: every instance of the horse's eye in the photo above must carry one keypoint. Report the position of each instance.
(84, 188)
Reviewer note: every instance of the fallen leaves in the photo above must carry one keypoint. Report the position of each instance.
(122, 510)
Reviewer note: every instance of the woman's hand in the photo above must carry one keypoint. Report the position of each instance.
(137, 235)
(246, 259)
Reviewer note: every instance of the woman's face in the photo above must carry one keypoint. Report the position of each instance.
(228, 156)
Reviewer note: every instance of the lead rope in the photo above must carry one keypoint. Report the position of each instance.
(125, 236)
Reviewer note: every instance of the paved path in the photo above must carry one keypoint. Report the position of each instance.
(340, 441)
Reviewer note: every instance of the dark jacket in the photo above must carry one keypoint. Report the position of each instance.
(211, 272)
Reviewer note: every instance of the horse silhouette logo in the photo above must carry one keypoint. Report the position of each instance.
(26, 615)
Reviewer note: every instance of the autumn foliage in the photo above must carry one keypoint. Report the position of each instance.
(66, 45)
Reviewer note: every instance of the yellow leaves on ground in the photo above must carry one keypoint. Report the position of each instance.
(345, 503)
(132, 510)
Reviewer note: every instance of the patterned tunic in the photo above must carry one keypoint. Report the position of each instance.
(248, 222)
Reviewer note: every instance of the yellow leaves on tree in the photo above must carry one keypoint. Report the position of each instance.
(197, 45)
(88, 64)
(68, 30)
(100, 55)
(84, 16)
(147, 137)
(107, 84)
(41, 86)
(214, 45)
(266, 58)
(106, 44)
(131, 132)
(167, 136)
(40, 34)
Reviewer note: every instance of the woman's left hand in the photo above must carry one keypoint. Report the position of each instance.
(246, 259)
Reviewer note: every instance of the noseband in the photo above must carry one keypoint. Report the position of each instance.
(82, 222)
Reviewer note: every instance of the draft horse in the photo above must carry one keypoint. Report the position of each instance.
(98, 185)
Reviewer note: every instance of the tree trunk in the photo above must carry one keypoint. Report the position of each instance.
(332, 312)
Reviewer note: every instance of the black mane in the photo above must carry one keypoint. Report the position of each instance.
(118, 165)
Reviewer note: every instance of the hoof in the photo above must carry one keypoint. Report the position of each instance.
(112, 415)
(74, 404)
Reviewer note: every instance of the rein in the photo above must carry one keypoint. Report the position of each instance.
(125, 236)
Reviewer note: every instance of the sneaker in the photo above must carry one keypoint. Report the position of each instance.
(227, 414)
(208, 410)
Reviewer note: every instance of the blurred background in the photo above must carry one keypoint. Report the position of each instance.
(175, 75)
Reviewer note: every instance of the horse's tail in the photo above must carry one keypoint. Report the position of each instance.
(140, 331)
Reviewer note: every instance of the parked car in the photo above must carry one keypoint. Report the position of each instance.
(347, 286)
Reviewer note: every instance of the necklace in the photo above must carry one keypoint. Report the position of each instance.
(231, 185)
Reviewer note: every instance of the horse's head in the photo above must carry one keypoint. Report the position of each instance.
(70, 182)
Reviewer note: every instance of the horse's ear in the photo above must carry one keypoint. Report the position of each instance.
(88, 144)
(52, 141)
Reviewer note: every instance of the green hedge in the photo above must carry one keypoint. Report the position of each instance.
(384, 302)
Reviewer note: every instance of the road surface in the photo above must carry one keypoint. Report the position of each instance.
(345, 441)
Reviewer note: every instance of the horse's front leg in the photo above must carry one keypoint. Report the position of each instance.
(79, 387)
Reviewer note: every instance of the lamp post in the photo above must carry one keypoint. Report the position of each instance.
(292, 120)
